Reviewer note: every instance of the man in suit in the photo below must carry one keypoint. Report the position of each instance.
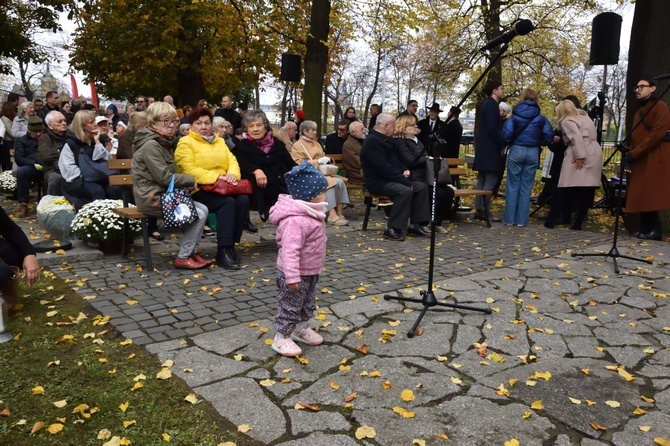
(489, 147)
(386, 175)
(431, 124)
(411, 109)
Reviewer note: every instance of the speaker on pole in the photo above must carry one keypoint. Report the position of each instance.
(291, 69)
(605, 36)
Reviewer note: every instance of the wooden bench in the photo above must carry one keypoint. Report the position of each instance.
(456, 170)
(125, 180)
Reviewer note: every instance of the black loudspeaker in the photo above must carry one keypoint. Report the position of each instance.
(605, 35)
(291, 69)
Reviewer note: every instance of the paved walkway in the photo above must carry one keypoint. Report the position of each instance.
(572, 354)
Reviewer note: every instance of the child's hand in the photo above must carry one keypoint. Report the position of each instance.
(294, 286)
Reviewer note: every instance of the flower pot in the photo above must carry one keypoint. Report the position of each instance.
(113, 247)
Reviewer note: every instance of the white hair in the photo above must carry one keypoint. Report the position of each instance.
(50, 118)
(383, 119)
(24, 106)
(217, 122)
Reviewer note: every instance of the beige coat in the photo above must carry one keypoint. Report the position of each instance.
(579, 135)
(307, 150)
(283, 137)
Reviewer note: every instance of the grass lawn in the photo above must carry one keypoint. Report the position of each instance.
(69, 376)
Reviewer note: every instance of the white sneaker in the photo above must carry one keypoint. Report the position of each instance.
(286, 347)
(307, 336)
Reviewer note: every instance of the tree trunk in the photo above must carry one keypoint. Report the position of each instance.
(648, 54)
(316, 59)
(491, 12)
(325, 109)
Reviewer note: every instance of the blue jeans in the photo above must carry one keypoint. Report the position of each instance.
(522, 162)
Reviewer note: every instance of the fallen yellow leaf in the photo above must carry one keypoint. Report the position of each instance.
(365, 431)
(39, 390)
(575, 400)
(639, 411)
(165, 373)
(129, 423)
(267, 382)
(166, 437)
(418, 442)
(537, 405)
(60, 404)
(124, 406)
(512, 442)
(403, 412)
(613, 403)
(55, 428)
(407, 395)
(191, 398)
(645, 428)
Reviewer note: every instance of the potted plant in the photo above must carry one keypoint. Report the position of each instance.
(97, 223)
(7, 183)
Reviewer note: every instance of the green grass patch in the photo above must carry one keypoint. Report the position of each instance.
(62, 346)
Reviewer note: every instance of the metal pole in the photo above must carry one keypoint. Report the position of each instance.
(384, 84)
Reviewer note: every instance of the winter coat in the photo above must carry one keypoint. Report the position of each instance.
(153, 167)
(413, 156)
(205, 161)
(380, 162)
(68, 161)
(307, 150)
(26, 152)
(125, 149)
(274, 164)
(50, 145)
(231, 116)
(301, 236)
(527, 127)
(8, 136)
(351, 160)
(488, 142)
(579, 135)
(648, 185)
(19, 126)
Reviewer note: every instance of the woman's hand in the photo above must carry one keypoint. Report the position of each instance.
(261, 179)
(96, 136)
(31, 269)
(556, 139)
(579, 163)
(406, 173)
(229, 178)
(293, 286)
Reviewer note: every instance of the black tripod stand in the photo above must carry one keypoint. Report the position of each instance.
(428, 300)
(614, 252)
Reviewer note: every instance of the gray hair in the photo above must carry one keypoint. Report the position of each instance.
(253, 115)
(288, 124)
(383, 119)
(24, 106)
(354, 125)
(307, 125)
(50, 118)
(217, 123)
(185, 126)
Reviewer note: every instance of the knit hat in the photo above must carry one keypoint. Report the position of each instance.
(300, 114)
(503, 106)
(304, 182)
(35, 124)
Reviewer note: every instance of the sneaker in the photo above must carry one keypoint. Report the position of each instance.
(286, 347)
(307, 336)
(338, 221)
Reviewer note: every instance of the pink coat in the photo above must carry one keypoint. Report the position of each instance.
(301, 236)
(579, 135)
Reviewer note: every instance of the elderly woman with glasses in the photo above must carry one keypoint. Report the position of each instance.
(205, 156)
(307, 148)
(264, 160)
(153, 169)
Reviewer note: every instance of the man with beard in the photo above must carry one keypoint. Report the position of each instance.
(430, 125)
(141, 103)
(351, 153)
(49, 146)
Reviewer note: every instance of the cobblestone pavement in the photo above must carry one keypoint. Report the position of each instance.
(572, 353)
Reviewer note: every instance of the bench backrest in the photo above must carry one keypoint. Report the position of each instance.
(123, 178)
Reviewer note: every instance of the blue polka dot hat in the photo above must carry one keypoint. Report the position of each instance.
(305, 182)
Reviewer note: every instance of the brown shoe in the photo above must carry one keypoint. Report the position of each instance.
(189, 263)
(494, 219)
(22, 211)
(200, 259)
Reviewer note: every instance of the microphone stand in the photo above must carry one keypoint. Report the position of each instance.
(618, 191)
(428, 299)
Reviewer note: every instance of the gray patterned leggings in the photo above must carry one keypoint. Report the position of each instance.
(294, 306)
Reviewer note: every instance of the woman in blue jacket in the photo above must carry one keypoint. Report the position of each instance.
(525, 132)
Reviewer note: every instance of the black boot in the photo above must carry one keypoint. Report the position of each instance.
(250, 227)
(225, 259)
(237, 259)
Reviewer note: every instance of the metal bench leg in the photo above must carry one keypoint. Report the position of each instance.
(124, 238)
(147, 246)
(368, 206)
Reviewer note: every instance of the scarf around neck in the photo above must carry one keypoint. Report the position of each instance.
(264, 144)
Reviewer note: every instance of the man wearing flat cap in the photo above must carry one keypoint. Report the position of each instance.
(431, 124)
(27, 158)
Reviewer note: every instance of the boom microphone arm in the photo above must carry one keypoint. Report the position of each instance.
(521, 28)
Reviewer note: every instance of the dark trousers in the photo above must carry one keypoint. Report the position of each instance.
(24, 177)
(444, 201)
(649, 222)
(409, 203)
(99, 191)
(5, 148)
(231, 214)
(582, 197)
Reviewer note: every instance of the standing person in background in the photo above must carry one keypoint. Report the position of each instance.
(301, 236)
(489, 148)
(53, 101)
(430, 125)
(582, 164)
(8, 113)
(648, 160)
(300, 116)
(451, 131)
(375, 110)
(411, 109)
(525, 133)
(350, 114)
(228, 113)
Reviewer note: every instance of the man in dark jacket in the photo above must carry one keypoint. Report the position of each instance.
(228, 113)
(489, 147)
(50, 145)
(451, 131)
(431, 124)
(335, 140)
(53, 103)
(385, 175)
(27, 157)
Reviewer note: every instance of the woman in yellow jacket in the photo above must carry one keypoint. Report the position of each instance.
(307, 148)
(206, 157)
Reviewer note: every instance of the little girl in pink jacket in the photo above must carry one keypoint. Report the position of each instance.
(301, 236)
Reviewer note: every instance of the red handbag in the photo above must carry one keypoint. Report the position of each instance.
(223, 187)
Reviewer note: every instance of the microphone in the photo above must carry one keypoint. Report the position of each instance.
(521, 28)
(662, 77)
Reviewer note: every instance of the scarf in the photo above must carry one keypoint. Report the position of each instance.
(264, 144)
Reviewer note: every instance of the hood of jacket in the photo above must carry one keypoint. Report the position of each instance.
(147, 134)
(526, 110)
(288, 207)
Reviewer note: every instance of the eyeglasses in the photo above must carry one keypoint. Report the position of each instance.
(169, 122)
(640, 87)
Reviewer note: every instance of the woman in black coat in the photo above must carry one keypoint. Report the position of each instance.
(263, 160)
(413, 155)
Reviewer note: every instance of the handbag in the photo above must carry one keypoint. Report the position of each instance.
(443, 176)
(223, 187)
(328, 170)
(93, 171)
(177, 207)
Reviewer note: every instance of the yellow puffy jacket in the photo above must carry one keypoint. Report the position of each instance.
(203, 160)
